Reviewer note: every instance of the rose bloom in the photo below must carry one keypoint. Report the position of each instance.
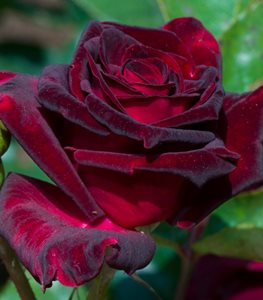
(226, 278)
(136, 130)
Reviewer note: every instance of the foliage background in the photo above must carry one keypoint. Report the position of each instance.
(34, 33)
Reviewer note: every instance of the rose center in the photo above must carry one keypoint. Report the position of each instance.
(150, 71)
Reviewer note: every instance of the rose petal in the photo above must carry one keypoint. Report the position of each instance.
(199, 166)
(113, 44)
(150, 70)
(5, 76)
(54, 245)
(78, 68)
(242, 129)
(21, 113)
(53, 95)
(206, 109)
(103, 85)
(136, 52)
(245, 116)
(203, 46)
(155, 38)
(122, 124)
(119, 87)
(148, 188)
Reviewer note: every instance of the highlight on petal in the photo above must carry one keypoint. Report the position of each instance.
(21, 114)
(203, 46)
(52, 239)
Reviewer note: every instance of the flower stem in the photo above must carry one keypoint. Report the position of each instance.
(15, 271)
(99, 285)
(188, 261)
(160, 241)
(163, 9)
(186, 268)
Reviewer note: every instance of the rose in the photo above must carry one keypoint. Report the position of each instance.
(134, 131)
(226, 279)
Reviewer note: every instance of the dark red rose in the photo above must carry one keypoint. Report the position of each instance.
(226, 279)
(136, 130)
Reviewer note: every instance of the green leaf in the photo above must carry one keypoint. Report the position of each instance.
(244, 242)
(4, 143)
(136, 12)
(2, 173)
(4, 138)
(236, 229)
(243, 209)
(242, 50)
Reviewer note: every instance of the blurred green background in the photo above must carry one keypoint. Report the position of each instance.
(34, 33)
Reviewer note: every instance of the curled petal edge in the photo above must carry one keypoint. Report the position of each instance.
(47, 232)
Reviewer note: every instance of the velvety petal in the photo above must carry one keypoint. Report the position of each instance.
(5, 76)
(122, 124)
(199, 166)
(78, 68)
(120, 87)
(203, 46)
(54, 243)
(144, 198)
(142, 52)
(149, 189)
(113, 43)
(149, 110)
(53, 94)
(206, 109)
(245, 116)
(155, 38)
(148, 70)
(242, 131)
(21, 113)
(103, 85)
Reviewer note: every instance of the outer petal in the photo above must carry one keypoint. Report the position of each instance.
(54, 243)
(148, 188)
(154, 38)
(242, 128)
(78, 69)
(5, 76)
(22, 115)
(199, 166)
(203, 46)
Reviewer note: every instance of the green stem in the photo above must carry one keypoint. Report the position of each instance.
(15, 271)
(188, 261)
(186, 268)
(170, 244)
(99, 285)
(163, 10)
(138, 279)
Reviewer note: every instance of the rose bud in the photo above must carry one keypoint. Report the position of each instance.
(136, 130)
(226, 278)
